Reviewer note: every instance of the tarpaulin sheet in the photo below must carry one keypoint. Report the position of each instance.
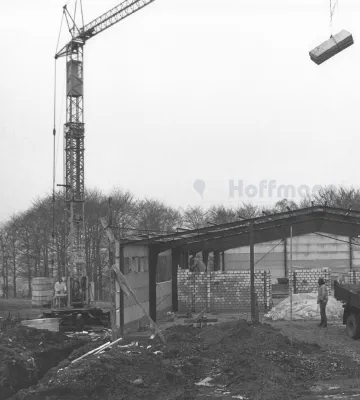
(305, 307)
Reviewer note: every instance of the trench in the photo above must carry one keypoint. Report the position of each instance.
(19, 376)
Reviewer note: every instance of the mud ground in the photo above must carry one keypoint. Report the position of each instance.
(27, 354)
(230, 360)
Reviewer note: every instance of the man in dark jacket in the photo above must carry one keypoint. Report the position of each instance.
(322, 301)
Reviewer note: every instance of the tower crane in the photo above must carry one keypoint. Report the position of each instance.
(79, 286)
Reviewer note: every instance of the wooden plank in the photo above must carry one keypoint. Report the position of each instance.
(91, 352)
(192, 320)
(50, 324)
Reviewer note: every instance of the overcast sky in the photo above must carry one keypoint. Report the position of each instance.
(184, 90)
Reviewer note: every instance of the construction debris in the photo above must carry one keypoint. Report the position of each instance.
(332, 46)
(50, 324)
(90, 352)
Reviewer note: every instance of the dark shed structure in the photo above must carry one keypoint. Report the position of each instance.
(219, 238)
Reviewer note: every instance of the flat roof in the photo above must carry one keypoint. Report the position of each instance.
(266, 228)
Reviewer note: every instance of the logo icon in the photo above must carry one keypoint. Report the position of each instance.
(199, 186)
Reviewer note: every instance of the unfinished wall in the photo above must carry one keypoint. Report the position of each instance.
(136, 271)
(221, 291)
(309, 251)
(306, 280)
(354, 276)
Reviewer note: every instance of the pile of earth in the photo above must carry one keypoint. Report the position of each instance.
(250, 360)
(26, 354)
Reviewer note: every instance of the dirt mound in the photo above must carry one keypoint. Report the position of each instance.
(247, 359)
(30, 337)
(252, 358)
(26, 354)
(115, 375)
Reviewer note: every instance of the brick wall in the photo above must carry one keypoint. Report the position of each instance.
(222, 291)
(306, 280)
(354, 276)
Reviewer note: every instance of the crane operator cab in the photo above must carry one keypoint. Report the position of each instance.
(74, 305)
(75, 293)
(79, 293)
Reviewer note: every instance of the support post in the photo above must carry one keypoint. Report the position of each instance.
(175, 263)
(223, 261)
(350, 254)
(186, 259)
(252, 274)
(116, 285)
(205, 256)
(121, 300)
(153, 255)
(216, 261)
(285, 259)
(112, 281)
(291, 286)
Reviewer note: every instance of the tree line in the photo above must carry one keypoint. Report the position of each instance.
(32, 243)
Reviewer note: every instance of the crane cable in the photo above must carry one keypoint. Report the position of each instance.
(333, 4)
(54, 156)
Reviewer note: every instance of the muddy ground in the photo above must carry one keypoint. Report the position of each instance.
(243, 361)
(27, 354)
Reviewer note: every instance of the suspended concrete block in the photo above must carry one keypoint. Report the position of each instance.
(332, 46)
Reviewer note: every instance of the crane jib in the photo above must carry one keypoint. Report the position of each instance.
(105, 21)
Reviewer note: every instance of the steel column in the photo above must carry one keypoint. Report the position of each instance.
(252, 274)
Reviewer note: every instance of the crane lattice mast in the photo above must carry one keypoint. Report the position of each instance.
(74, 128)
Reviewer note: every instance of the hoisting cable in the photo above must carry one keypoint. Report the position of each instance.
(59, 124)
(54, 158)
(82, 14)
(333, 4)
(76, 1)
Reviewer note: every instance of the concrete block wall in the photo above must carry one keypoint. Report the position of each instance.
(306, 280)
(354, 276)
(222, 291)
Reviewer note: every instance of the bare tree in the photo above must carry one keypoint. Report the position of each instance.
(247, 210)
(194, 217)
(4, 261)
(155, 216)
(331, 196)
(221, 215)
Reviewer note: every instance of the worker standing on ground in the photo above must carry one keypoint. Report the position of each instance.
(198, 266)
(322, 301)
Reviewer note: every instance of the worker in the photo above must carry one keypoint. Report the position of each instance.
(60, 289)
(62, 286)
(198, 265)
(322, 301)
